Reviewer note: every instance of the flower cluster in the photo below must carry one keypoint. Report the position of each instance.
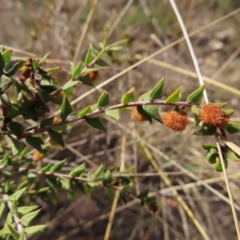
(214, 115)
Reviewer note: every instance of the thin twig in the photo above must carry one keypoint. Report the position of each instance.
(102, 110)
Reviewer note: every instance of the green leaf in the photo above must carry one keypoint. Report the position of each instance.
(103, 100)
(221, 104)
(105, 41)
(26, 219)
(2, 62)
(85, 111)
(124, 197)
(175, 96)
(232, 156)
(27, 209)
(46, 122)
(43, 59)
(5, 100)
(35, 229)
(53, 183)
(88, 57)
(13, 232)
(212, 156)
(56, 137)
(77, 172)
(96, 123)
(7, 54)
(22, 235)
(17, 146)
(2, 208)
(69, 85)
(129, 96)
(58, 166)
(36, 65)
(17, 195)
(77, 71)
(196, 111)
(206, 130)
(36, 142)
(5, 83)
(102, 63)
(66, 108)
(99, 173)
(115, 113)
(196, 96)
(152, 111)
(12, 67)
(46, 168)
(208, 146)
(16, 128)
(86, 80)
(229, 112)
(107, 177)
(65, 183)
(233, 127)
(144, 193)
(218, 166)
(5, 231)
(154, 93)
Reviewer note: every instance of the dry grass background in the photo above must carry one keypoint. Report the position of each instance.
(192, 197)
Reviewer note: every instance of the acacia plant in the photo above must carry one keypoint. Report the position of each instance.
(28, 94)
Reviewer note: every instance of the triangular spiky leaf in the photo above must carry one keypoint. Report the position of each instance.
(175, 96)
(103, 100)
(66, 108)
(115, 113)
(96, 123)
(196, 96)
(129, 96)
(152, 111)
(233, 127)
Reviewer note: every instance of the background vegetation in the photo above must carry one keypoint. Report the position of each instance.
(152, 156)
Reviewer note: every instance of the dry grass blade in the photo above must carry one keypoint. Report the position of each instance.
(191, 74)
(175, 193)
(235, 218)
(84, 32)
(186, 36)
(117, 193)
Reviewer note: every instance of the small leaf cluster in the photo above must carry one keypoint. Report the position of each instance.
(18, 218)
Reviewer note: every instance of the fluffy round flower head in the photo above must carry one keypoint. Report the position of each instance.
(214, 115)
(174, 120)
(38, 156)
(138, 116)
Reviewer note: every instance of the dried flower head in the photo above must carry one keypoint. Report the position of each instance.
(214, 115)
(38, 156)
(56, 120)
(138, 116)
(93, 75)
(53, 142)
(175, 120)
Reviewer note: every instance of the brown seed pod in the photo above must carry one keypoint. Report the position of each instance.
(214, 115)
(138, 116)
(174, 120)
(53, 142)
(38, 156)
